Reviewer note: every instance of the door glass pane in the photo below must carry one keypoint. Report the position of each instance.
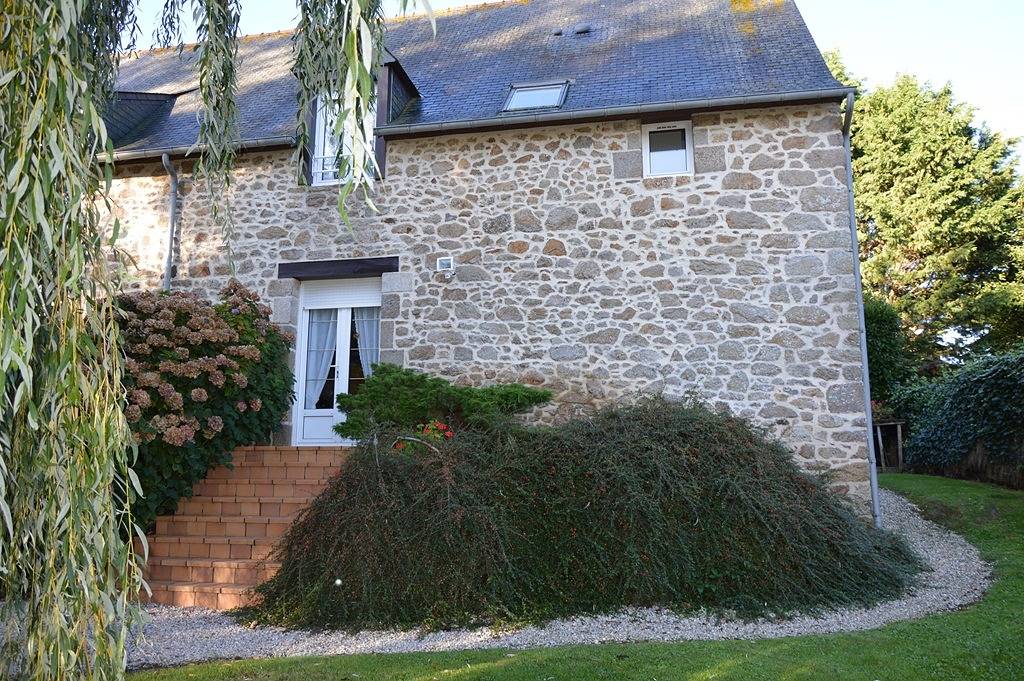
(364, 346)
(321, 359)
(667, 152)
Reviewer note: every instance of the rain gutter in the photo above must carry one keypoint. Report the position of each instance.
(876, 509)
(172, 212)
(185, 150)
(514, 120)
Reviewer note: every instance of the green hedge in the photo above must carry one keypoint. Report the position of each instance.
(659, 503)
(201, 379)
(394, 397)
(980, 402)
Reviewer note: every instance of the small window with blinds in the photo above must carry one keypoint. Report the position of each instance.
(667, 149)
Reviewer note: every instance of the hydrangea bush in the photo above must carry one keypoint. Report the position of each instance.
(201, 379)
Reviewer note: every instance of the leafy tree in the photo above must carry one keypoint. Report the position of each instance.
(940, 214)
(66, 573)
(834, 60)
(889, 359)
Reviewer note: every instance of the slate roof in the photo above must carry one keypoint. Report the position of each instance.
(266, 94)
(637, 52)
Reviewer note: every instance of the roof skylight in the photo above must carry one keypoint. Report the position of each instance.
(545, 96)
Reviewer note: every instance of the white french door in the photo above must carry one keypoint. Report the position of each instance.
(336, 346)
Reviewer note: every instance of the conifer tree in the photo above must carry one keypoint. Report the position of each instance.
(940, 214)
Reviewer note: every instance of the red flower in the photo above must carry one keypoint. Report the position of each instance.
(449, 434)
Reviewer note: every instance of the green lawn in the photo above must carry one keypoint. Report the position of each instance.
(984, 642)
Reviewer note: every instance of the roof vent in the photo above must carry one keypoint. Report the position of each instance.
(582, 29)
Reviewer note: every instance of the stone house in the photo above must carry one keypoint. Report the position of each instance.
(602, 198)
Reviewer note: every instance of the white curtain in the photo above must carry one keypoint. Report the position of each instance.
(321, 345)
(367, 323)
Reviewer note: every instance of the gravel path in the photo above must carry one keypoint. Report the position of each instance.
(173, 636)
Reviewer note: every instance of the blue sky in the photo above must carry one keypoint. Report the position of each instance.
(976, 46)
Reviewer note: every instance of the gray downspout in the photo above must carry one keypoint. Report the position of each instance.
(876, 509)
(172, 211)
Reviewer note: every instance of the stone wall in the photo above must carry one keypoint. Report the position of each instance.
(575, 273)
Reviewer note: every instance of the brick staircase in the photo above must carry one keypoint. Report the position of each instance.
(214, 549)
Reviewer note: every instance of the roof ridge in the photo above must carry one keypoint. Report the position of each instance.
(184, 46)
(451, 11)
(461, 9)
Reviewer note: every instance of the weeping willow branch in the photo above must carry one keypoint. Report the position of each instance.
(338, 47)
(66, 573)
(217, 22)
(168, 30)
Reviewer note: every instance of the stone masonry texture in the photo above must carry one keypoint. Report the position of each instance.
(572, 271)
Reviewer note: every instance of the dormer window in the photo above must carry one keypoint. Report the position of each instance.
(324, 161)
(540, 96)
(325, 147)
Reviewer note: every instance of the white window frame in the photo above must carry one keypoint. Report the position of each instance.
(322, 168)
(645, 135)
(321, 165)
(343, 295)
(563, 86)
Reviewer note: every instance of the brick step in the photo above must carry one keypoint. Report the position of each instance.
(297, 472)
(210, 570)
(217, 526)
(243, 506)
(290, 456)
(240, 548)
(198, 594)
(259, 488)
(216, 547)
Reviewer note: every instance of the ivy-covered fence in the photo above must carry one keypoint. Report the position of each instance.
(970, 421)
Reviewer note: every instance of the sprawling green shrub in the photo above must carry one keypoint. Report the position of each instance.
(201, 380)
(394, 397)
(889, 360)
(981, 402)
(654, 504)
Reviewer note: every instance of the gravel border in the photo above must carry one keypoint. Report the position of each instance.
(174, 636)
